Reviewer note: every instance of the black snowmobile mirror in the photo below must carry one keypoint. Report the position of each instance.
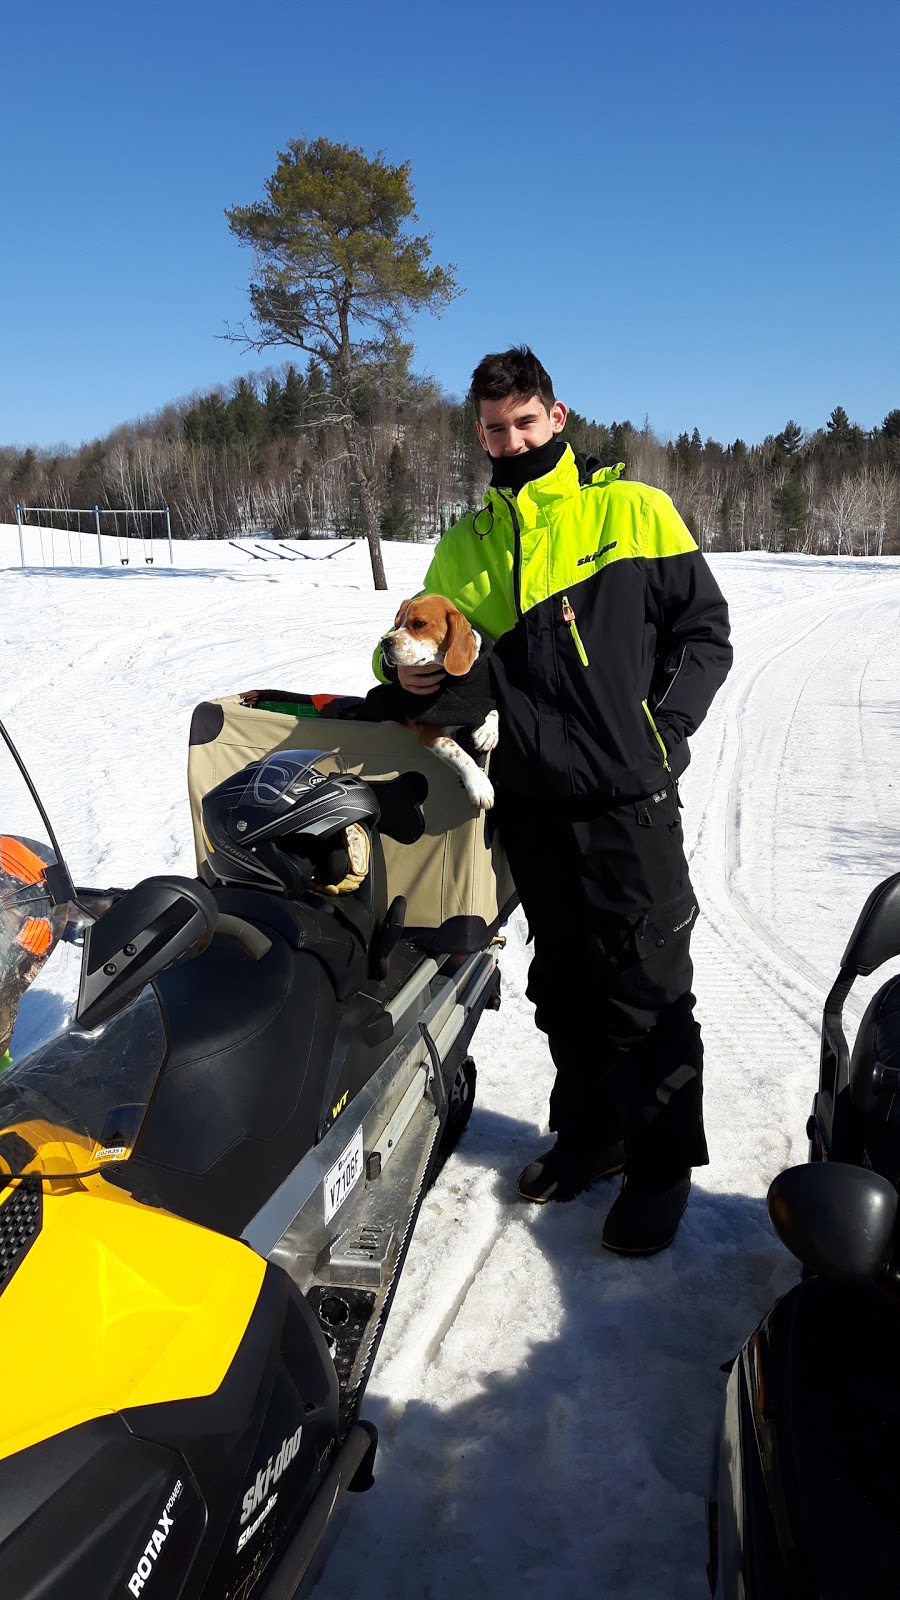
(836, 1218)
(154, 924)
(876, 937)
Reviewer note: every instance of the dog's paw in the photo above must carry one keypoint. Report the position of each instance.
(479, 789)
(485, 737)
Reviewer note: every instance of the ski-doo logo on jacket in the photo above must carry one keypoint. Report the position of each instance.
(154, 1544)
(270, 1473)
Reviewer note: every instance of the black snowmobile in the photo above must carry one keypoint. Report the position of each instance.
(217, 1124)
(809, 1468)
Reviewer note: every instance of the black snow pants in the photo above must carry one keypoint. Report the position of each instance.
(610, 907)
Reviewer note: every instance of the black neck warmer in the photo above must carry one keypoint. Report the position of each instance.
(513, 472)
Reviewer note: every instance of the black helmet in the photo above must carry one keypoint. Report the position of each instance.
(275, 823)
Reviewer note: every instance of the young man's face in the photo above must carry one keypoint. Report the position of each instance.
(509, 427)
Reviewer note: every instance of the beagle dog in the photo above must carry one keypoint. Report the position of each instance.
(431, 629)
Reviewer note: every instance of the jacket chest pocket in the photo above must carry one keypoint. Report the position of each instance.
(567, 615)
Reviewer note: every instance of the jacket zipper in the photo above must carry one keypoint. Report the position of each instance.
(657, 736)
(517, 554)
(568, 616)
(672, 679)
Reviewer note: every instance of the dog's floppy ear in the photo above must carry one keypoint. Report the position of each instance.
(403, 606)
(460, 647)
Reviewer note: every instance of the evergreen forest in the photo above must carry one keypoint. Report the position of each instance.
(265, 456)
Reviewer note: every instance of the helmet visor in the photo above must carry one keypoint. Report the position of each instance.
(278, 785)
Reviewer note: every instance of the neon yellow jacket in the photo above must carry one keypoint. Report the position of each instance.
(610, 632)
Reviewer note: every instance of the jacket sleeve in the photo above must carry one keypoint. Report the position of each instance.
(693, 650)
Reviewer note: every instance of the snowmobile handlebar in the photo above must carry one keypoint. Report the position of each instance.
(252, 940)
(154, 925)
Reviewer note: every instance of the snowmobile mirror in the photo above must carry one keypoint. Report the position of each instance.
(154, 924)
(876, 937)
(836, 1218)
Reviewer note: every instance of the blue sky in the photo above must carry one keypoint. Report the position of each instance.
(689, 210)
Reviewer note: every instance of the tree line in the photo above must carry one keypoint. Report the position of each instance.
(832, 491)
(265, 455)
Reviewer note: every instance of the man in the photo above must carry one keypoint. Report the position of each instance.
(610, 641)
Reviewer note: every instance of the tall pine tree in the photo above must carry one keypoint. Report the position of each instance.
(397, 520)
(339, 275)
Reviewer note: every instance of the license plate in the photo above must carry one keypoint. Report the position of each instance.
(344, 1175)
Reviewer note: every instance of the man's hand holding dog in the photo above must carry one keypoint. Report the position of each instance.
(423, 678)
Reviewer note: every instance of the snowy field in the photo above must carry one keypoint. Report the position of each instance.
(547, 1412)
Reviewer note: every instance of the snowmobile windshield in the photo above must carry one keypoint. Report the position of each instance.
(78, 1101)
(64, 1092)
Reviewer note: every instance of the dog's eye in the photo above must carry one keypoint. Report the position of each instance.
(418, 623)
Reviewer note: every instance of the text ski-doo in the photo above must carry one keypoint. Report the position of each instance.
(220, 1107)
(809, 1466)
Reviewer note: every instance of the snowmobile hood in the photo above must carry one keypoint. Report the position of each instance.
(107, 1304)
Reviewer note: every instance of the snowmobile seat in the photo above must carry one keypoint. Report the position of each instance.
(238, 1101)
(835, 1422)
(329, 929)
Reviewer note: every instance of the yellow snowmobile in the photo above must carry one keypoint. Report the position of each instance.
(220, 1105)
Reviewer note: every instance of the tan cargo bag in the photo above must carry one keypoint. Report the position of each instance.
(455, 878)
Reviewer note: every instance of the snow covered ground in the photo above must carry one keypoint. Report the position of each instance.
(547, 1412)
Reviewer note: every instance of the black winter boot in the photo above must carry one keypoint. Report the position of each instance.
(564, 1171)
(645, 1219)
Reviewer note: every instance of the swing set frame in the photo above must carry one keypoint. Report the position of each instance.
(96, 512)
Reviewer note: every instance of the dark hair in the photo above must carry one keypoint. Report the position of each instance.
(516, 371)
